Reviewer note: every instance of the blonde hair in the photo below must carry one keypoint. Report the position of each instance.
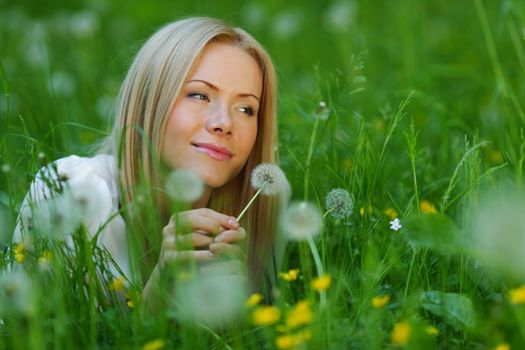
(145, 101)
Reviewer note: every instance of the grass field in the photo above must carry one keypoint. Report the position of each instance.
(424, 121)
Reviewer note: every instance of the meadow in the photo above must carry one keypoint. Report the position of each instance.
(416, 109)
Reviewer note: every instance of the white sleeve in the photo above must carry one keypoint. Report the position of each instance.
(89, 196)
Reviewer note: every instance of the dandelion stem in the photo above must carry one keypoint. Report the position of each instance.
(249, 203)
(318, 266)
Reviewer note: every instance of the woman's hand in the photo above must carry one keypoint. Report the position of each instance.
(201, 234)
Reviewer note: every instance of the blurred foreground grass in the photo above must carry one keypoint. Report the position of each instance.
(447, 161)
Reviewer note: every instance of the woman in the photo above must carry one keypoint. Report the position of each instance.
(200, 95)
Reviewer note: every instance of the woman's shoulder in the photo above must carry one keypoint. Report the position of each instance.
(74, 169)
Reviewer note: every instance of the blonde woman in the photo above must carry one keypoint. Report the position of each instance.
(200, 95)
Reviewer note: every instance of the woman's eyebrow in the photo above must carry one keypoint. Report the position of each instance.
(213, 87)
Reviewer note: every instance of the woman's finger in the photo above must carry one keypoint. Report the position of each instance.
(231, 236)
(203, 219)
(228, 250)
(193, 240)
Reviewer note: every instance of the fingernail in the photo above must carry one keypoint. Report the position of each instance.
(219, 238)
(233, 222)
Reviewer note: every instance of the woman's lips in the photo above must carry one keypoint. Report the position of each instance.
(215, 151)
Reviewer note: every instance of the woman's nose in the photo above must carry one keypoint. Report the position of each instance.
(220, 121)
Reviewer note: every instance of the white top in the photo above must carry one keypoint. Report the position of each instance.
(90, 195)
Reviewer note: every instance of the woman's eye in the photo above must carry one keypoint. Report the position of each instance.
(247, 110)
(199, 96)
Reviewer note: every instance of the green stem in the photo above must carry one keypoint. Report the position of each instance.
(318, 266)
(409, 273)
(309, 157)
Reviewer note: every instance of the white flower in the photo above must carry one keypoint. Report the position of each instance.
(16, 293)
(339, 203)
(395, 224)
(268, 177)
(6, 168)
(214, 298)
(301, 221)
(184, 186)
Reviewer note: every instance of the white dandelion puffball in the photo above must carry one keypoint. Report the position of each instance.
(301, 221)
(498, 231)
(269, 177)
(57, 217)
(17, 294)
(340, 204)
(212, 298)
(184, 186)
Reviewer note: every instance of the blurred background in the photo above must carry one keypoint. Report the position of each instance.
(63, 63)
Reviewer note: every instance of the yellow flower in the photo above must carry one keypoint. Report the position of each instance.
(288, 341)
(130, 297)
(266, 315)
(502, 346)
(379, 301)
(290, 275)
(348, 164)
(20, 253)
(117, 284)
(368, 210)
(427, 207)
(254, 299)
(154, 345)
(284, 341)
(322, 283)
(495, 157)
(45, 258)
(401, 333)
(431, 330)
(300, 315)
(391, 213)
(517, 295)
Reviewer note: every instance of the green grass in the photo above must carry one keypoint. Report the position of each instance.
(426, 104)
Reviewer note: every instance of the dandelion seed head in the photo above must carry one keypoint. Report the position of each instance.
(6, 168)
(302, 220)
(269, 177)
(339, 203)
(184, 186)
(16, 293)
(498, 230)
(196, 299)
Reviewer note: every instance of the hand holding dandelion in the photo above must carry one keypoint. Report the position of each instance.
(267, 179)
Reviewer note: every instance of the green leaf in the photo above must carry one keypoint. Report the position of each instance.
(433, 231)
(455, 309)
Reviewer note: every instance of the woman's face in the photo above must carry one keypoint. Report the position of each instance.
(213, 126)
